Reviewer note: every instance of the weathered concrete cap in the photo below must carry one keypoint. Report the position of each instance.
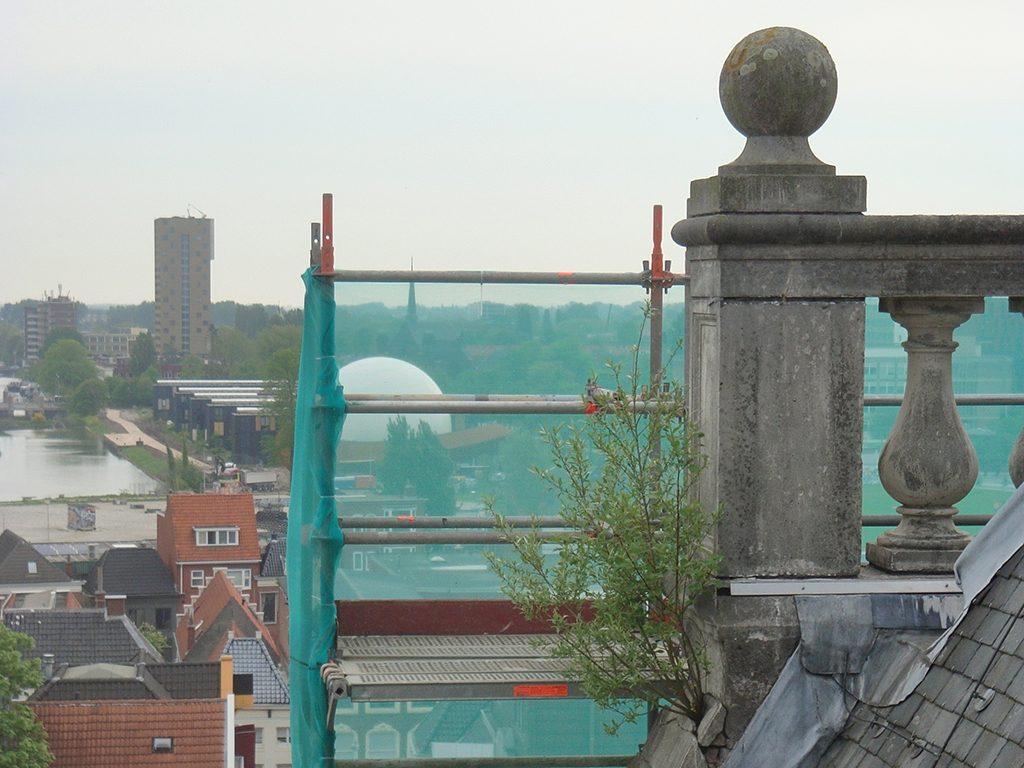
(778, 81)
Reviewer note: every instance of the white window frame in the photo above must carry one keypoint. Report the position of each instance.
(201, 579)
(222, 537)
(419, 707)
(244, 574)
(287, 735)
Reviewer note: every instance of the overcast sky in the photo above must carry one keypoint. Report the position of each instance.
(525, 135)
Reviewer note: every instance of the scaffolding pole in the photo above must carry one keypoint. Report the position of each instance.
(575, 761)
(410, 522)
(403, 538)
(574, 404)
(497, 277)
(498, 406)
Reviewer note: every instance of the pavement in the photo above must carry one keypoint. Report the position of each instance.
(44, 522)
(133, 435)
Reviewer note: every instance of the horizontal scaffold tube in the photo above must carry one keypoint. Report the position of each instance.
(522, 521)
(389, 539)
(485, 276)
(569, 404)
(450, 522)
(359, 396)
(492, 406)
(1015, 399)
(577, 761)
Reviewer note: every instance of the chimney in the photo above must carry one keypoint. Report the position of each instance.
(47, 665)
(99, 577)
(114, 605)
(227, 674)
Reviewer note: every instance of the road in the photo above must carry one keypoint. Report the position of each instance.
(132, 435)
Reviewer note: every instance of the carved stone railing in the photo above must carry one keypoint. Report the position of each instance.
(780, 259)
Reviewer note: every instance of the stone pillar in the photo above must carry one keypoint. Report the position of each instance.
(1016, 463)
(928, 463)
(775, 377)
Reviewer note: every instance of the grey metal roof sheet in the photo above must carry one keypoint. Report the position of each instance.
(431, 667)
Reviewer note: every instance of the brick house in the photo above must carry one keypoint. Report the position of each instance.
(202, 533)
(135, 580)
(273, 593)
(219, 614)
(157, 715)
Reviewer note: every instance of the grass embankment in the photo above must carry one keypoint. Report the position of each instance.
(150, 461)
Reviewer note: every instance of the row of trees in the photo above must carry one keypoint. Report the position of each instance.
(64, 369)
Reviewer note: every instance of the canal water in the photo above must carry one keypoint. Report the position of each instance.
(49, 463)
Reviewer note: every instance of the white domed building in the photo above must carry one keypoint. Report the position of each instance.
(387, 376)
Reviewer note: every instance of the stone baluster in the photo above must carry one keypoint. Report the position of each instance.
(928, 463)
(1016, 465)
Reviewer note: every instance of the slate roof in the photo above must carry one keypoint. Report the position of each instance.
(120, 733)
(15, 556)
(274, 555)
(132, 572)
(176, 538)
(188, 680)
(272, 519)
(98, 682)
(251, 657)
(969, 708)
(82, 636)
(219, 609)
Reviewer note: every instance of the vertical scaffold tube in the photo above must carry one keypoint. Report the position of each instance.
(314, 537)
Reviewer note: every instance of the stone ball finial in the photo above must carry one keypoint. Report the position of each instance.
(778, 81)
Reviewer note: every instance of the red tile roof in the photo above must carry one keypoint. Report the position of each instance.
(101, 734)
(176, 538)
(220, 608)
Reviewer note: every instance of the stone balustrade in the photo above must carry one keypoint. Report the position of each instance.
(780, 258)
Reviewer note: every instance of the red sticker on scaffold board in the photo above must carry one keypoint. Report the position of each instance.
(540, 691)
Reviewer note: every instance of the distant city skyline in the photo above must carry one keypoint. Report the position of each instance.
(466, 135)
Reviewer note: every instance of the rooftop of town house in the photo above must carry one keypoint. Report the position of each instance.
(21, 564)
(132, 572)
(101, 734)
(85, 636)
(274, 556)
(251, 657)
(188, 513)
(95, 682)
(218, 614)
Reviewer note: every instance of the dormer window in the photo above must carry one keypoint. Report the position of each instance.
(216, 537)
(31, 564)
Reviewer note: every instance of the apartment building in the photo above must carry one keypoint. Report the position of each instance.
(183, 248)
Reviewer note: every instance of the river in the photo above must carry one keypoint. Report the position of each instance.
(50, 463)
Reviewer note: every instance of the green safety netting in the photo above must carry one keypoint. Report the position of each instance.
(314, 538)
